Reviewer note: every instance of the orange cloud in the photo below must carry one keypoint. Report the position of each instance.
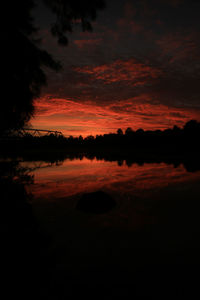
(144, 72)
(122, 70)
(77, 118)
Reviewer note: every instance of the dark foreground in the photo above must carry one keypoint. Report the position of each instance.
(80, 253)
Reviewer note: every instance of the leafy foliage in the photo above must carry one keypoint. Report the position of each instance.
(23, 61)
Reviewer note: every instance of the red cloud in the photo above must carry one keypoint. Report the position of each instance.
(75, 118)
(127, 22)
(87, 43)
(178, 47)
(130, 71)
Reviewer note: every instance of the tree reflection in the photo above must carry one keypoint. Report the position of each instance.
(23, 263)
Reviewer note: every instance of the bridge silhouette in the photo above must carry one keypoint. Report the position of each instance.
(37, 132)
(23, 132)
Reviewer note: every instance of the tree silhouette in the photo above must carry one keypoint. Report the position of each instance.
(69, 11)
(23, 61)
(128, 131)
(191, 126)
(119, 131)
(140, 131)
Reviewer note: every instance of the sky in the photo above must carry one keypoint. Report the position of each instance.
(139, 68)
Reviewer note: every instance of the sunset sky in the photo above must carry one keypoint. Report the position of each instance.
(139, 68)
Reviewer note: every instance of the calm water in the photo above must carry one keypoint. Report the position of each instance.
(143, 193)
(154, 226)
(74, 177)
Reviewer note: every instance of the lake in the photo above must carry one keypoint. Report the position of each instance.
(76, 176)
(148, 242)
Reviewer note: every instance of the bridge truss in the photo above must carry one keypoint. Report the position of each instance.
(37, 132)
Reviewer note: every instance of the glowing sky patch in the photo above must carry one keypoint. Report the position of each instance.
(140, 68)
(74, 118)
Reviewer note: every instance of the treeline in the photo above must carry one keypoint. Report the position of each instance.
(190, 133)
(172, 146)
(169, 139)
(187, 136)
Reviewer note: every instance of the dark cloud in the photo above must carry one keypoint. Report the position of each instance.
(140, 53)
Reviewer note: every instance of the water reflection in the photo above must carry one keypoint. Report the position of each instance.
(22, 243)
(79, 175)
(146, 244)
(153, 227)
